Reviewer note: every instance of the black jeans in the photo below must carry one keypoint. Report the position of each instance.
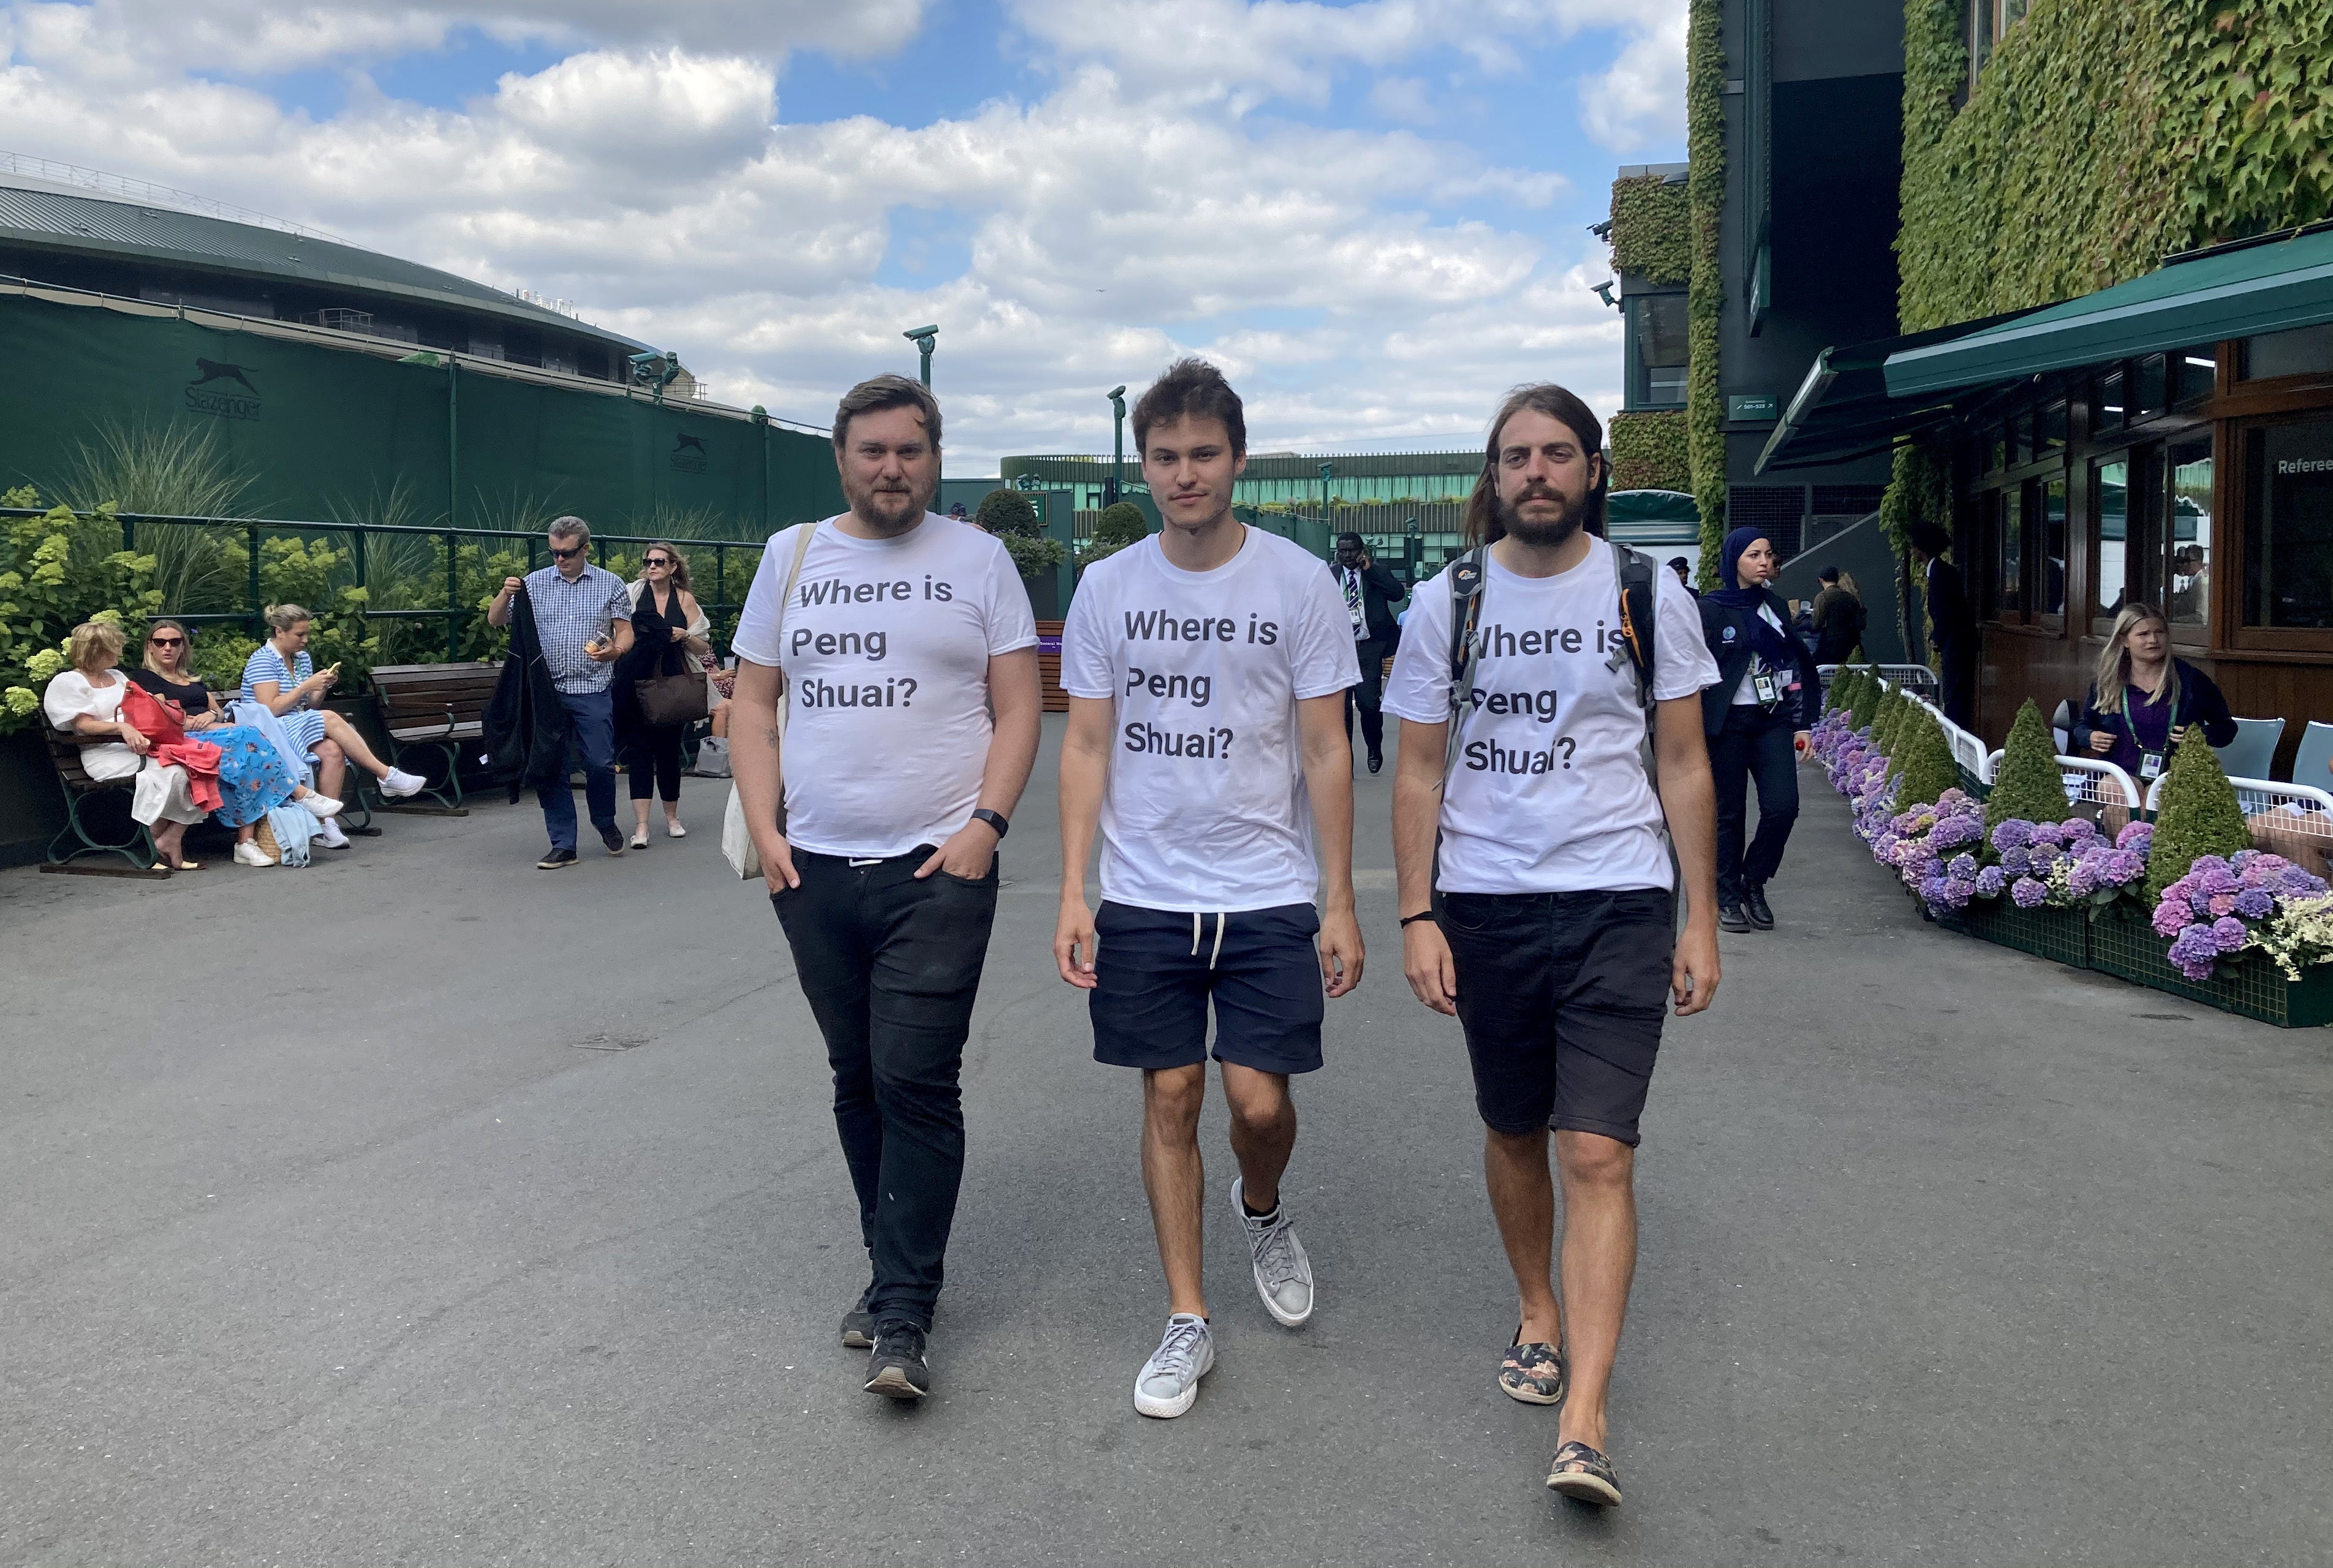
(1957, 682)
(652, 761)
(889, 966)
(1370, 695)
(1754, 743)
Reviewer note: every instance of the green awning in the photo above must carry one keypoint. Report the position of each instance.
(2235, 291)
(1842, 411)
(1652, 506)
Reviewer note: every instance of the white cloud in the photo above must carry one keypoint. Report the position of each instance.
(1402, 98)
(1642, 96)
(1363, 285)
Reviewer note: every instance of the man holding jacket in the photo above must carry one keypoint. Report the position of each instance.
(1370, 591)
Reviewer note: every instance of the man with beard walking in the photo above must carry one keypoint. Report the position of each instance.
(894, 634)
(1546, 681)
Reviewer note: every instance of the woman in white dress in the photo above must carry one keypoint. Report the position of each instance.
(85, 702)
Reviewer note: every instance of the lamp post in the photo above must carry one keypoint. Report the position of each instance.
(1117, 396)
(924, 338)
(1327, 470)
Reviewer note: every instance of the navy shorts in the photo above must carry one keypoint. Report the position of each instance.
(1155, 970)
(1562, 995)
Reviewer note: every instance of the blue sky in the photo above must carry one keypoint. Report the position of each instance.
(1372, 213)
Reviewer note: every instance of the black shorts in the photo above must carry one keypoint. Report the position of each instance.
(1155, 970)
(1562, 996)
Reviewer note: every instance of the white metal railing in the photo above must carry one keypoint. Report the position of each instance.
(2088, 781)
(2294, 820)
(152, 194)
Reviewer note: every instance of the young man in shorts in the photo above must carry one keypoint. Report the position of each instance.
(1206, 669)
(1543, 920)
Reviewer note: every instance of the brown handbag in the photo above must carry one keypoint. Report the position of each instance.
(672, 699)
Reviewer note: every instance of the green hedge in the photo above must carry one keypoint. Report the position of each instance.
(1705, 403)
(2200, 815)
(1650, 451)
(2027, 787)
(1651, 229)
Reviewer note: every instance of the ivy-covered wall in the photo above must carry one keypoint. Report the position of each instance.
(2101, 135)
(1651, 229)
(1649, 450)
(1705, 403)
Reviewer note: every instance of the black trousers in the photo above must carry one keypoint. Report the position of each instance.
(889, 966)
(1370, 695)
(1753, 744)
(652, 761)
(1956, 681)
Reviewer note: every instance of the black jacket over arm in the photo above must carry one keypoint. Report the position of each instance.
(525, 725)
(2201, 701)
(1734, 664)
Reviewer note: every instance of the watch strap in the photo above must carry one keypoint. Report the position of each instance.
(995, 820)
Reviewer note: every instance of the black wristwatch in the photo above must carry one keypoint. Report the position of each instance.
(995, 819)
(1421, 914)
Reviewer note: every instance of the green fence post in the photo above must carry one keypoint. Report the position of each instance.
(453, 615)
(129, 535)
(257, 618)
(453, 446)
(720, 577)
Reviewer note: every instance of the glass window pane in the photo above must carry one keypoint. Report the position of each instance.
(2020, 439)
(2302, 351)
(2110, 487)
(2289, 537)
(2051, 433)
(2146, 394)
(2193, 374)
(2191, 534)
(2009, 558)
(2106, 412)
(2053, 548)
(1996, 449)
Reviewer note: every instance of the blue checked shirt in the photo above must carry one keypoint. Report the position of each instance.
(567, 615)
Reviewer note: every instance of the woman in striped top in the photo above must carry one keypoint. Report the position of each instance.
(280, 676)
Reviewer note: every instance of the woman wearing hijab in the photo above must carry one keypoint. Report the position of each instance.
(1759, 717)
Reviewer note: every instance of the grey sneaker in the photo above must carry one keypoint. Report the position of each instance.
(1169, 1380)
(1284, 1274)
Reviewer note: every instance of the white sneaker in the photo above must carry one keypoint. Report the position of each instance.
(1284, 1273)
(675, 830)
(248, 853)
(329, 835)
(321, 803)
(397, 783)
(1169, 1380)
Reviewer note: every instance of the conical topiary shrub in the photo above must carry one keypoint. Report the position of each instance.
(2028, 786)
(1926, 758)
(2199, 816)
(1843, 688)
(1866, 699)
(1885, 721)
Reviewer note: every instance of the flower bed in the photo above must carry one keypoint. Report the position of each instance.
(2248, 933)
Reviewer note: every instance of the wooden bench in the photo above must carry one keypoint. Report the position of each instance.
(439, 707)
(80, 789)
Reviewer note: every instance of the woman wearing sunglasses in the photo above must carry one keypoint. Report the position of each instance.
(668, 638)
(253, 778)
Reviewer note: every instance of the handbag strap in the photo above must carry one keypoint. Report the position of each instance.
(785, 600)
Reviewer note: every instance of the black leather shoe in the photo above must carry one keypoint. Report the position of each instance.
(1376, 760)
(1730, 918)
(858, 1323)
(1753, 903)
(613, 839)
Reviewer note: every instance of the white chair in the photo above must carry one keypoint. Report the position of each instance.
(2062, 721)
(2248, 754)
(2311, 763)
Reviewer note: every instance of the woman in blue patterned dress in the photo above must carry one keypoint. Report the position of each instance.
(281, 676)
(252, 778)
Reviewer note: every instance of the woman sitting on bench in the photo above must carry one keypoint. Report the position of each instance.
(85, 702)
(280, 676)
(252, 777)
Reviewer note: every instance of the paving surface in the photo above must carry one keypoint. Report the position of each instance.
(424, 1208)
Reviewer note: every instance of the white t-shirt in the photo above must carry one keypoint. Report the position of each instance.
(1205, 807)
(1549, 792)
(886, 650)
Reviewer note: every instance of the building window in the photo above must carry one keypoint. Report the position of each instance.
(2303, 351)
(2009, 553)
(2289, 525)
(2107, 410)
(2051, 600)
(1656, 326)
(2193, 374)
(2191, 534)
(2051, 433)
(2112, 496)
(2147, 388)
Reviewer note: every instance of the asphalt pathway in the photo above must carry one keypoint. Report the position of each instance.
(424, 1208)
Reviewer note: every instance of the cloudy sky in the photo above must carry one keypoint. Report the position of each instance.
(1372, 215)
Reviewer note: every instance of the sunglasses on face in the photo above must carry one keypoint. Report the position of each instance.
(558, 554)
(167, 642)
(658, 560)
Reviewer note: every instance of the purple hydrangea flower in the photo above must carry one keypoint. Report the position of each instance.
(1989, 882)
(2014, 861)
(2255, 903)
(1964, 866)
(2083, 880)
(2194, 952)
(2014, 834)
(2172, 916)
(2230, 934)
(2136, 837)
(2027, 892)
(2078, 829)
(2048, 833)
(1932, 892)
(2125, 865)
(1958, 890)
(2221, 905)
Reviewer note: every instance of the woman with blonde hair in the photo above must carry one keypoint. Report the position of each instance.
(252, 777)
(85, 701)
(668, 638)
(2144, 701)
(280, 677)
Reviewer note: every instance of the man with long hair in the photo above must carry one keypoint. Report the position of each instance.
(904, 642)
(1543, 920)
(1206, 669)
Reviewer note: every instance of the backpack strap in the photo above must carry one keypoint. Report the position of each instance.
(1639, 619)
(1467, 576)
